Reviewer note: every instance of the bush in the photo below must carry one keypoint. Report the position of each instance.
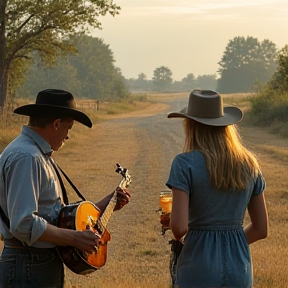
(270, 108)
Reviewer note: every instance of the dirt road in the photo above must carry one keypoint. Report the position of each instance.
(146, 142)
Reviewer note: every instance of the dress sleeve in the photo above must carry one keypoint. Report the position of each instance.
(179, 175)
(259, 186)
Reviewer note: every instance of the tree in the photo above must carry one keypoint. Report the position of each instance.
(162, 79)
(39, 77)
(42, 25)
(188, 82)
(245, 62)
(90, 73)
(269, 107)
(206, 82)
(279, 81)
(142, 77)
(95, 66)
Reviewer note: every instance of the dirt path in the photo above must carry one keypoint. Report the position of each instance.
(138, 253)
(146, 142)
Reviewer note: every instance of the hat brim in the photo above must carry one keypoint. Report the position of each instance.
(232, 115)
(53, 111)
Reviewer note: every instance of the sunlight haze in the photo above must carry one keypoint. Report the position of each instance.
(187, 36)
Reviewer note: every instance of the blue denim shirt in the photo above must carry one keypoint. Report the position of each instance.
(30, 192)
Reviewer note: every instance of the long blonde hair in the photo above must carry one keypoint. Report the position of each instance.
(229, 163)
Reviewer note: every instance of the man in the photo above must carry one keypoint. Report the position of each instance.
(31, 195)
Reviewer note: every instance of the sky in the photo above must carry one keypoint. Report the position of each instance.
(187, 36)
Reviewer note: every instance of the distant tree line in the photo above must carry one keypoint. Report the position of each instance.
(162, 81)
(246, 65)
(46, 46)
(89, 73)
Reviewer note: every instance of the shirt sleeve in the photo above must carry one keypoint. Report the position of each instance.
(23, 186)
(259, 186)
(179, 175)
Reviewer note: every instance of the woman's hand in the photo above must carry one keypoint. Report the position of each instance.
(165, 221)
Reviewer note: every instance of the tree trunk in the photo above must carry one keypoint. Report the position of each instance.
(4, 65)
(3, 86)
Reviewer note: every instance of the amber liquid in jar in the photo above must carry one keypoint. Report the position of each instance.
(166, 201)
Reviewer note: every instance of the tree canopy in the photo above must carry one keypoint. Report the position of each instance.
(279, 80)
(270, 105)
(187, 84)
(162, 78)
(44, 26)
(90, 73)
(245, 62)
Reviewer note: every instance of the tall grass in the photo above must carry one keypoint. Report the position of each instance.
(10, 124)
(269, 108)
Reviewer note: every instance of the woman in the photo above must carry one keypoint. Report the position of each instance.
(213, 181)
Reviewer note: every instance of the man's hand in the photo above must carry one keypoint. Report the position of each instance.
(87, 241)
(123, 198)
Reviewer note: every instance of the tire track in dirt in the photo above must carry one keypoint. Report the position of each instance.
(146, 143)
(146, 146)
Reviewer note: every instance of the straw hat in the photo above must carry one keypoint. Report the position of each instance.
(206, 106)
(55, 103)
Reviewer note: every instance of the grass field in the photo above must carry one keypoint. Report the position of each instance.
(138, 253)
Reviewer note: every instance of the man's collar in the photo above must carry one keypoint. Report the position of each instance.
(39, 141)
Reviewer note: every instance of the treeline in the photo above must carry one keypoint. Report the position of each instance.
(162, 81)
(89, 73)
(246, 65)
(45, 46)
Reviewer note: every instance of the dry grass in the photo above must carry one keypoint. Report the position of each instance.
(138, 255)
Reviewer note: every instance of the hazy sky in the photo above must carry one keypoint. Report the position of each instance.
(187, 36)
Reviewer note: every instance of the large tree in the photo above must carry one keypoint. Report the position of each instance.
(270, 105)
(188, 82)
(162, 79)
(279, 80)
(42, 25)
(90, 73)
(96, 71)
(206, 82)
(245, 62)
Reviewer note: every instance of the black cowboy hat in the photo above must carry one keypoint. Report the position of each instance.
(206, 106)
(55, 103)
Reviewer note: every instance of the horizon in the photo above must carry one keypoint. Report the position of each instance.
(186, 37)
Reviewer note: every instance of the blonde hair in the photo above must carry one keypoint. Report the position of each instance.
(229, 163)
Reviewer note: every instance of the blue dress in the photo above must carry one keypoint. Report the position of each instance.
(215, 252)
